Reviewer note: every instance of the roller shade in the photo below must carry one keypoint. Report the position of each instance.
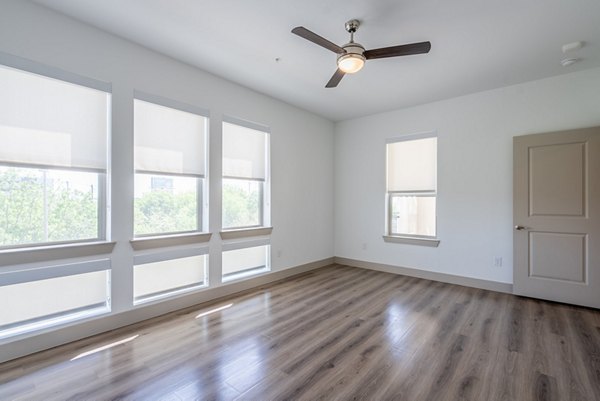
(244, 152)
(51, 123)
(412, 165)
(168, 140)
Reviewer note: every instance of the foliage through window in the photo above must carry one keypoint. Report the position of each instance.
(166, 204)
(38, 205)
(242, 201)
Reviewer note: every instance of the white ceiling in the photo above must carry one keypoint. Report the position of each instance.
(476, 44)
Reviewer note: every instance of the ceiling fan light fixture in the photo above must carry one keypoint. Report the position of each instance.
(351, 63)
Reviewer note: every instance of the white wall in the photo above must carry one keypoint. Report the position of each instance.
(301, 142)
(474, 172)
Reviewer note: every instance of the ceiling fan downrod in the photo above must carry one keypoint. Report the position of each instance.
(351, 27)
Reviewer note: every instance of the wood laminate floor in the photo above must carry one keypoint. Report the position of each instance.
(335, 333)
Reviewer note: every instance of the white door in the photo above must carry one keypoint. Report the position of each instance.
(556, 216)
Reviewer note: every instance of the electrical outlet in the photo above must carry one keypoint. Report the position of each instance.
(364, 246)
(497, 261)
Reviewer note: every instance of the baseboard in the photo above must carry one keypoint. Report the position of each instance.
(435, 276)
(57, 336)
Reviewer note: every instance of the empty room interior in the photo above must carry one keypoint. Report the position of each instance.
(285, 200)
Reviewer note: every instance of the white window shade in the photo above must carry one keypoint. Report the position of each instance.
(167, 276)
(244, 152)
(412, 165)
(53, 296)
(168, 140)
(245, 259)
(52, 123)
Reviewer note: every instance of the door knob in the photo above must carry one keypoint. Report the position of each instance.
(519, 228)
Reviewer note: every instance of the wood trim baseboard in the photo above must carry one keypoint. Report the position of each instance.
(56, 336)
(429, 275)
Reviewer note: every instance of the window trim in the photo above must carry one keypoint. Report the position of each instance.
(20, 256)
(402, 238)
(170, 103)
(34, 67)
(163, 256)
(26, 275)
(161, 241)
(245, 232)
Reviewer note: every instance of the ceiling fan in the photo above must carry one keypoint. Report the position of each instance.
(352, 56)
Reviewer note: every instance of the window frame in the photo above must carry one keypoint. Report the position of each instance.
(265, 188)
(200, 186)
(390, 195)
(103, 175)
(20, 275)
(172, 255)
(201, 181)
(261, 211)
(405, 194)
(250, 271)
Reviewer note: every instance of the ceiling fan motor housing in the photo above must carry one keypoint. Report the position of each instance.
(353, 59)
(353, 50)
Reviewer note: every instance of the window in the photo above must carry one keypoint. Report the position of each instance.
(160, 275)
(245, 177)
(411, 186)
(56, 295)
(53, 158)
(244, 262)
(170, 165)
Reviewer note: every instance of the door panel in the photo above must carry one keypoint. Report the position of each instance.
(557, 180)
(556, 216)
(549, 253)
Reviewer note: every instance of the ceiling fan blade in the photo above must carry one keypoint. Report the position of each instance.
(321, 41)
(402, 50)
(335, 79)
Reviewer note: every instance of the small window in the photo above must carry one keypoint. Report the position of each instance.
(157, 278)
(412, 187)
(47, 302)
(245, 177)
(53, 160)
(170, 165)
(245, 262)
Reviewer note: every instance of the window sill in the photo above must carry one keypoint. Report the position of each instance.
(20, 256)
(245, 233)
(144, 243)
(432, 242)
(245, 274)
